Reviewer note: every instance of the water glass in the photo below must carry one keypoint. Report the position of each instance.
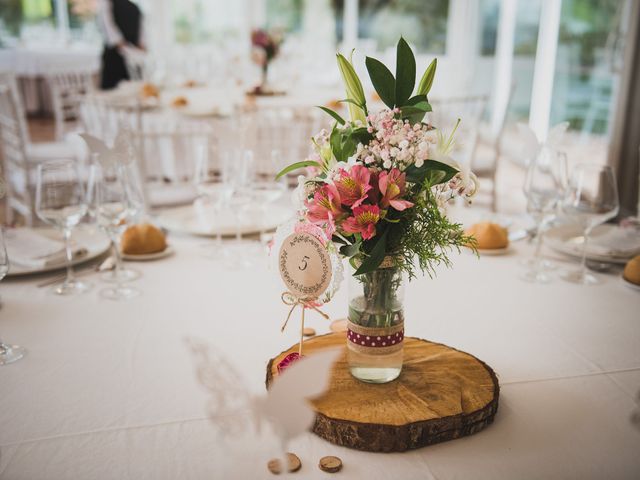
(590, 200)
(111, 199)
(61, 202)
(8, 353)
(544, 186)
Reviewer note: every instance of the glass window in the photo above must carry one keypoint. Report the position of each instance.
(422, 23)
(489, 17)
(587, 64)
(285, 15)
(24, 17)
(524, 58)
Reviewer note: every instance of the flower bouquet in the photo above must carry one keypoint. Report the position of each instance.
(378, 185)
(265, 47)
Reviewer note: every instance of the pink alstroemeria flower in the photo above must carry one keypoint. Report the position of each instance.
(363, 221)
(353, 185)
(325, 208)
(392, 187)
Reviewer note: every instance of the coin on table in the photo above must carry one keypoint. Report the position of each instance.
(339, 325)
(330, 464)
(293, 464)
(308, 332)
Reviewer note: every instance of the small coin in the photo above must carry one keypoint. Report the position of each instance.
(339, 325)
(308, 332)
(330, 464)
(294, 464)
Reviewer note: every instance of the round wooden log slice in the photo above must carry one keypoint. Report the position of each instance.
(442, 394)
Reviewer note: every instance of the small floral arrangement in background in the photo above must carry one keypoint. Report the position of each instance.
(265, 46)
(378, 182)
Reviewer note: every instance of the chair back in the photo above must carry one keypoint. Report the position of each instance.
(469, 109)
(17, 172)
(68, 88)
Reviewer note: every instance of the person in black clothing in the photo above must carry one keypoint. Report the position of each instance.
(121, 25)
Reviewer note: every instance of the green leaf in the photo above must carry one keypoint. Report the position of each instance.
(354, 89)
(350, 250)
(335, 115)
(427, 79)
(296, 166)
(376, 256)
(361, 135)
(405, 72)
(335, 141)
(416, 99)
(382, 80)
(348, 100)
(419, 175)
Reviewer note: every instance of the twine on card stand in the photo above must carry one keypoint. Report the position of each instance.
(290, 299)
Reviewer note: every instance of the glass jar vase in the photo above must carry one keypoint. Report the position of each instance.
(375, 332)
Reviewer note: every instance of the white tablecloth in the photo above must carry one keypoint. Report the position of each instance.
(108, 390)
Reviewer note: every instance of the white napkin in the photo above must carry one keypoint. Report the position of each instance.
(618, 242)
(30, 249)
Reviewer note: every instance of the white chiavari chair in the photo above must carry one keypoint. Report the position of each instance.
(469, 109)
(38, 151)
(18, 172)
(286, 131)
(167, 151)
(68, 88)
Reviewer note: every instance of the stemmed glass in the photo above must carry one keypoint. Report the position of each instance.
(214, 193)
(267, 190)
(8, 353)
(544, 186)
(111, 200)
(61, 202)
(590, 199)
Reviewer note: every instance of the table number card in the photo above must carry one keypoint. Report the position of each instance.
(305, 266)
(310, 269)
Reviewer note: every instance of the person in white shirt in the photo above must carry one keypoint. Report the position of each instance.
(121, 24)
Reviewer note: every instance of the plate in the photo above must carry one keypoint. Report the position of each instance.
(568, 239)
(494, 251)
(89, 237)
(145, 257)
(200, 221)
(632, 286)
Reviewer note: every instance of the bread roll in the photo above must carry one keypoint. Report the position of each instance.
(149, 90)
(632, 270)
(180, 102)
(489, 236)
(143, 239)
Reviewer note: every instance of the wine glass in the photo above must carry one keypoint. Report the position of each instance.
(241, 174)
(8, 353)
(590, 199)
(214, 193)
(267, 190)
(111, 202)
(543, 187)
(61, 202)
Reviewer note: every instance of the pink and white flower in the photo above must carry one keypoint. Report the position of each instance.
(392, 187)
(325, 208)
(363, 221)
(353, 185)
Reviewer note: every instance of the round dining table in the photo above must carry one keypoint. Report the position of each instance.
(108, 390)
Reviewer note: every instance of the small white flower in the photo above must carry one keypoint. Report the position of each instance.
(387, 164)
(419, 162)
